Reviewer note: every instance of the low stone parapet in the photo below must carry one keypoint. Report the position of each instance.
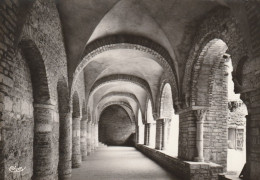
(186, 170)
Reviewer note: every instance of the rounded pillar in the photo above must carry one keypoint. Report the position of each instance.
(64, 166)
(89, 138)
(83, 139)
(76, 153)
(42, 159)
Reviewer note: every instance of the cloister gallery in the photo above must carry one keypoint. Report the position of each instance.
(177, 80)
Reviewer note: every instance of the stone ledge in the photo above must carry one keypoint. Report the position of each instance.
(187, 170)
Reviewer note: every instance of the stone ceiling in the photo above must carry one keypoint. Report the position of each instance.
(169, 23)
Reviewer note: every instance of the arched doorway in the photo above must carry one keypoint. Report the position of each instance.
(171, 121)
(43, 141)
(213, 91)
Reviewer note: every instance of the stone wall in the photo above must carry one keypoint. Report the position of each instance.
(42, 27)
(215, 131)
(8, 27)
(187, 136)
(19, 121)
(184, 169)
(115, 127)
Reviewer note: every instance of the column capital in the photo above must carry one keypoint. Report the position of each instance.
(201, 114)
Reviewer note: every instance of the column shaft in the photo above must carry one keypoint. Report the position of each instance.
(147, 134)
(76, 154)
(65, 143)
(83, 139)
(89, 138)
(42, 161)
(92, 137)
(96, 135)
(201, 114)
(159, 134)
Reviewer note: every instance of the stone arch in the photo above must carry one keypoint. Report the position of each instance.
(204, 72)
(64, 164)
(170, 121)
(43, 110)
(209, 89)
(31, 53)
(166, 102)
(124, 94)
(227, 30)
(123, 104)
(123, 77)
(176, 104)
(134, 42)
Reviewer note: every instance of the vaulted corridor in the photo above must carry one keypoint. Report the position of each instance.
(119, 162)
(178, 80)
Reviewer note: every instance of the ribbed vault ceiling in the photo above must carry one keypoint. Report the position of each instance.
(169, 23)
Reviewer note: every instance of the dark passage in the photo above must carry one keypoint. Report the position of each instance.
(115, 127)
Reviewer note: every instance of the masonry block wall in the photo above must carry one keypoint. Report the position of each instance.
(8, 21)
(115, 127)
(215, 125)
(187, 137)
(43, 28)
(19, 121)
(251, 95)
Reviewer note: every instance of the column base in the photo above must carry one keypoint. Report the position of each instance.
(199, 159)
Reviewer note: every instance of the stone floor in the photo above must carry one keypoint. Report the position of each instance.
(119, 163)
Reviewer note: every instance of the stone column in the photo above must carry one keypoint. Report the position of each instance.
(166, 131)
(43, 150)
(137, 134)
(152, 134)
(76, 154)
(65, 140)
(162, 134)
(201, 115)
(147, 134)
(92, 137)
(89, 138)
(159, 134)
(96, 135)
(83, 139)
